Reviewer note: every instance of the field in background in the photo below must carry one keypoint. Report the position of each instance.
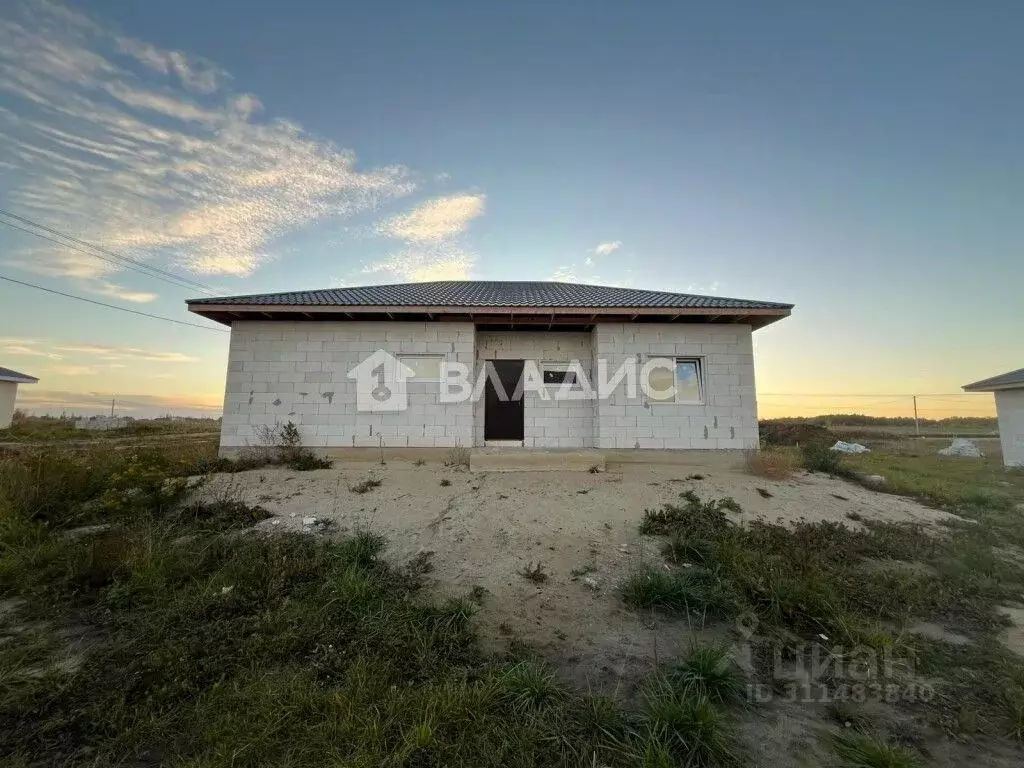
(29, 429)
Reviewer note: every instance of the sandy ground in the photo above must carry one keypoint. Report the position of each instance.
(485, 528)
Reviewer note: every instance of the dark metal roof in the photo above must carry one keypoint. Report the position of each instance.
(491, 293)
(6, 374)
(1010, 380)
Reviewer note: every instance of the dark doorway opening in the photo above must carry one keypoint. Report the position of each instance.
(503, 415)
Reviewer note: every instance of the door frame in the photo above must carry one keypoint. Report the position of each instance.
(495, 408)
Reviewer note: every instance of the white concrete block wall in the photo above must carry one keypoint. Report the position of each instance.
(298, 371)
(1010, 408)
(547, 423)
(726, 420)
(8, 395)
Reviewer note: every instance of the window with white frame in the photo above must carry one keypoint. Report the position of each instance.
(424, 367)
(687, 377)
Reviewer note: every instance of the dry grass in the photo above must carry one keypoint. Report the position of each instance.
(771, 463)
(458, 457)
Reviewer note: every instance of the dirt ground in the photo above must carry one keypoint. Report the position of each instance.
(486, 528)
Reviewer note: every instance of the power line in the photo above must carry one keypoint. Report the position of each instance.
(111, 257)
(898, 394)
(112, 306)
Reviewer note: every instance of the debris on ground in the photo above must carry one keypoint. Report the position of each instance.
(963, 447)
(844, 447)
(309, 521)
(86, 530)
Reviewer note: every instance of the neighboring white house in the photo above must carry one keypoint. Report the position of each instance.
(9, 381)
(305, 357)
(1009, 392)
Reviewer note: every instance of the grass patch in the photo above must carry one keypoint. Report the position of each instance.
(365, 486)
(710, 672)
(862, 751)
(221, 515)
(692, 515)
(696, 590)
(685, 729)
(534, 573)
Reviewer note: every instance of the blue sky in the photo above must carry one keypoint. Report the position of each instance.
(862, 162)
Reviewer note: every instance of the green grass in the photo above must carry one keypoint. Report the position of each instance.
(205, 645)
(693, 590)
(685, 729)
(861, 751)
(286, 649)
(709, 671)
(856, 587)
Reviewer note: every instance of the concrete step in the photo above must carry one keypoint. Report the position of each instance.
(534, 460)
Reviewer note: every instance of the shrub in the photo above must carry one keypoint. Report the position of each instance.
(770, 463)
(458, 457)
(693, 518)
(820, 458)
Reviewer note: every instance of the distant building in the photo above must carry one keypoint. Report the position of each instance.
(1009, 391)
(9, 381)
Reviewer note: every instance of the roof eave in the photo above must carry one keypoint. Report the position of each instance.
(983, 387)
(229, 313)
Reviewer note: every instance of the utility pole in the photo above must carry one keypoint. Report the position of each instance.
(917, 425)
(112, 401)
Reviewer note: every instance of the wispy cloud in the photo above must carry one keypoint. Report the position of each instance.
(123, 353)
(24, 351)
(89, 353)
(119, 292)
(74, 370)
(150, 153)
(603, 249)
(435, 220)
(431, 232)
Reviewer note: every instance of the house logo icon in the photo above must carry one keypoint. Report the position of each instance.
(380, 383)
